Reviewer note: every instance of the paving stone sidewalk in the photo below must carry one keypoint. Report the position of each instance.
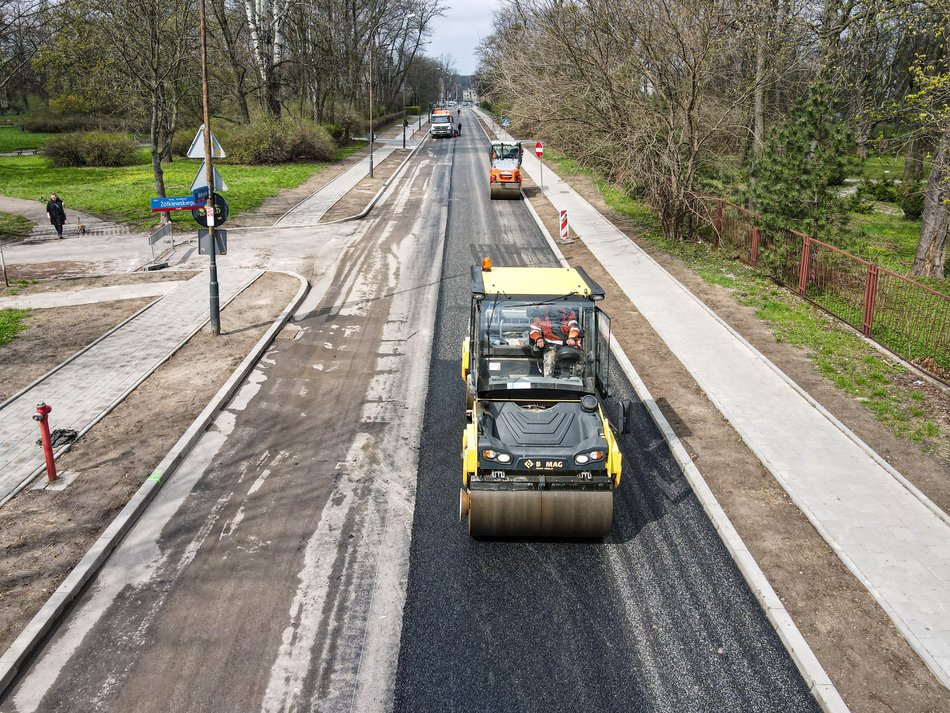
(311, 210)
(895, 541)
(86, 388)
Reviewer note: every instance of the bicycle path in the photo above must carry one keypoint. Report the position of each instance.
(894, 540)
(85, 388)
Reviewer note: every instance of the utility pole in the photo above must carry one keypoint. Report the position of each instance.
(372, 39)
(209, 206)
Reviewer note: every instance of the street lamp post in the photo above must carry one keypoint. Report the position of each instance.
(372, 40)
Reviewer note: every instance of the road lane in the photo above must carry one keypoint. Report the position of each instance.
(655, 618)
(269, 572)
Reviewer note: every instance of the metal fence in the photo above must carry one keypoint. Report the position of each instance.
(902, 315)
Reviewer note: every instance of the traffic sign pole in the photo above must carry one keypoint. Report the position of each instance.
(539, 152)
(214, 293)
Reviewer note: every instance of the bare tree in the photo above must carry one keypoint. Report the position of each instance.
(644, 88)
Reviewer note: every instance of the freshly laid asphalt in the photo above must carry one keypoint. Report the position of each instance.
(655, 618)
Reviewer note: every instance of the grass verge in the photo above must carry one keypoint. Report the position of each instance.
(122, 194)
(11, 323)
(880, 384)
(11, 139)
(14, 226)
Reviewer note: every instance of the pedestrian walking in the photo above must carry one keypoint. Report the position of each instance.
(56, 213)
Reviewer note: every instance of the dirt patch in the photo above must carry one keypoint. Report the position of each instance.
(43, 535)
(870, 662)
(69, 284)
(54, 335)
(362, 193)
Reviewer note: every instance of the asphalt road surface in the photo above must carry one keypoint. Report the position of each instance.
(275, 571)
(655, 618)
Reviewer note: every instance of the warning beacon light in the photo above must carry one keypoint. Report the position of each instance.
(486, 264)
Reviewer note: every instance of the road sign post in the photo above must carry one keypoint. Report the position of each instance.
(539, 152)
(210, 177)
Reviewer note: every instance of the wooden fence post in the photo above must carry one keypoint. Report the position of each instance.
(755, 245)
(719, 211)
(870, 293)
(803, 268)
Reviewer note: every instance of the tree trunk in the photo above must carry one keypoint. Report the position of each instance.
(932, 248)
(913, 164)
(758, 102)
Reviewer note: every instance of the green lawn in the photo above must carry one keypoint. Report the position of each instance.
(11, 322)
(888, 240)
(875, 167)
(14, 226)
(123, 194)
(11, 139)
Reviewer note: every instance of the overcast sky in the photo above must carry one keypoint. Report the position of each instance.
(457, 33)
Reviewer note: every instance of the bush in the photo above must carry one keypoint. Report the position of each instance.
(181, 141)
(883, 190)
(91, 148)
(271, 141)
(337, 133)
(57, 124)
(912, 203)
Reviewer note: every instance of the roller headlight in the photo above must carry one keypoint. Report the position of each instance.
(489, 454)
(590, 456)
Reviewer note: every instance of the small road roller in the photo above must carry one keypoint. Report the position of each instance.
(504, 170)
(539, 455)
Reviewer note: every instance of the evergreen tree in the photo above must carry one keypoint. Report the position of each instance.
(794, 184)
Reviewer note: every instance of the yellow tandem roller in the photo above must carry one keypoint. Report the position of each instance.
(539, 457)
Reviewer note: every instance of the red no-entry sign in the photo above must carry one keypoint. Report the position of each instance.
(539, 150)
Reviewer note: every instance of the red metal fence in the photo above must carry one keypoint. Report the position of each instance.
(902, 315)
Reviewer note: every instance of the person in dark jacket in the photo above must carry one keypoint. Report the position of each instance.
(56, 213)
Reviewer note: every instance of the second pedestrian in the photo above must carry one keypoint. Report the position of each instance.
(56, 213)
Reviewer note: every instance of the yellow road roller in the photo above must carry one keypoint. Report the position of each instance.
(539, 455)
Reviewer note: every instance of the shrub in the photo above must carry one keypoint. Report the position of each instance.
(181, 141)
(912, 203)
(278, 141)
(57, 124)
(91, 148)
(337, 133)
(883, 190)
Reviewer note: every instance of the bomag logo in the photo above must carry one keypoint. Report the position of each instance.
(543, 464)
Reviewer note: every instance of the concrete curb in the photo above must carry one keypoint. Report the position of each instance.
(381, 191)
(105, 412)
(817, 680)
(46, 618)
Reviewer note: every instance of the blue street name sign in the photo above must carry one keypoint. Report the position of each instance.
(174, 203)
(201, 193)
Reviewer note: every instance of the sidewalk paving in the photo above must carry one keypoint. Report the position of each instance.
(86, 388)
(894, 540)
(36, 211)
(311, 210)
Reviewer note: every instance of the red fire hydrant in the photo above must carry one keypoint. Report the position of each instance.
(41, 415)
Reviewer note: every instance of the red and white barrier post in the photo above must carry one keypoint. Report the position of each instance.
(42, 416)
(565, 230)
